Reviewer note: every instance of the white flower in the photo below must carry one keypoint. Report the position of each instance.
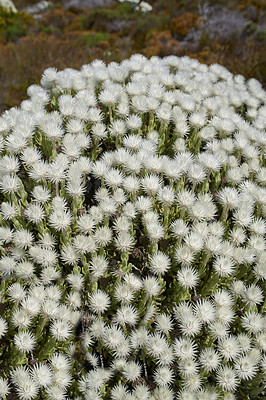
(188, 367)
(223, 266)
(16, 291)
(188, 277)
(246, 367)
(131, 371)
(4, 388)
(226, 378)
(41, 374)
(99, 302)
(164, 323)
(119, 391)
(3, 327)
(69, 255)
(163, 376)
(155, 231)
(60, 219)
(31, 305)
(156, 345)
(185, 348)
(209, 359)
(229, 348)
(8, 210)
(151, 286)
(127, 314)
(23, 238)
(124, 293)
(124, 242)
(103, 236)
(252, 322)
(25, 341)
(253, 295)
(166, 195)
(62, 379)
(75, 281)
(204, 310)
(159, 263)
(139, 338)
(7, 265)
(179, 228)
(59, 362)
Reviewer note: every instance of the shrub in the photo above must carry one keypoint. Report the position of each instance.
(132, 226)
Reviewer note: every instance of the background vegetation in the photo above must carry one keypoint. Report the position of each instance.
(72, 37)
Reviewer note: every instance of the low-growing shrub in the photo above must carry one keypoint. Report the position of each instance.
(132, 234)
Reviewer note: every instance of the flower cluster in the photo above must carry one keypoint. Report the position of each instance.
(132, 234)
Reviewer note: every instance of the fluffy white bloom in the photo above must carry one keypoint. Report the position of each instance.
(24, 341)
(60, 219)
(159, 263)
(3, 327)
(99, 302)
(127, 314)
(124, 241)
(187, 277)
(4, 387)
(41, 374)
(226, 378)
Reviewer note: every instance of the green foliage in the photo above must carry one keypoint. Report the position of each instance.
(13, 25)
(95, 38)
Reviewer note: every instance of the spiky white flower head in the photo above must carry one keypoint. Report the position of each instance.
(4, 388)
(226, 378)
(124, 242)
(151, 286)
(163, 376)
(69, 255)
(61, 329)
(25, 341)
(139, 338)
(119, 391)
(205, 310)
(41, 374)
(156, 345)
(184, 255)
(3, 327)
(253, 295)
(60, 220)
(86, 223)
(187, 277)
(127, 314)
(103, 236)
(16, 292)
(179, 228)
(185, 348)
(23, 238)
(252, 321)
(31, 305)
(229, 348)
(75, 281)
(224, 266)
(188, 367)
(159, 263)
(164, 323)
(7, 265)
(99, 301)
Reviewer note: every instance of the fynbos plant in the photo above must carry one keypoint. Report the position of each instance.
(132, 226)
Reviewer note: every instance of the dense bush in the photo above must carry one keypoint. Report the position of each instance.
(132, 225)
